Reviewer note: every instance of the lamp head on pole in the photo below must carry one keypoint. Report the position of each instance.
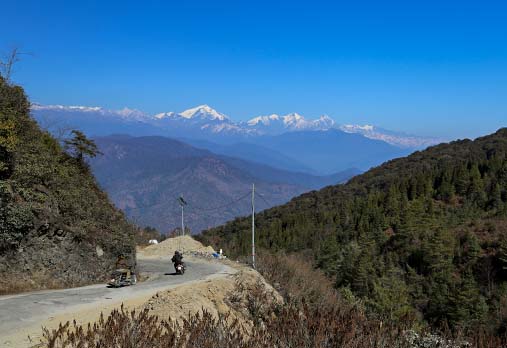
(181, 201)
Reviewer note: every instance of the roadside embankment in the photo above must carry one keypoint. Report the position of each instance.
(243, 296)
(232, 295)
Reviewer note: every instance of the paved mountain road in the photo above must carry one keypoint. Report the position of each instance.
(24, 310)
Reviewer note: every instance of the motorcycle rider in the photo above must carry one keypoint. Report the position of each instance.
(177, 259)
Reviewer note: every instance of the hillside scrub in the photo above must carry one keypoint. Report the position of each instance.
(57, 227)
(423, 236)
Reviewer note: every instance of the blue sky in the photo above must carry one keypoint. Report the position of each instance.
(424, 67)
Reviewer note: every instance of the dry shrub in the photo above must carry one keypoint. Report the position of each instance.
(123, 329)
(255, 300)
(295, 326)
(298, 280)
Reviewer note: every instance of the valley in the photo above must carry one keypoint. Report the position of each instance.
(144, 176)
(212, 161)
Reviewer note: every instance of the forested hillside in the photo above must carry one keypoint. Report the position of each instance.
(57, 228)
(423, 237)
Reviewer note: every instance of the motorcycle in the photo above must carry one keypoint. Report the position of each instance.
(180, 268)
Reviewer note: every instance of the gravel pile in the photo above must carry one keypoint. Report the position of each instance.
(185, 244)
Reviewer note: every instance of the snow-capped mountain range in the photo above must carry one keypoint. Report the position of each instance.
(205, 119)
(390, 137)
(292, 122)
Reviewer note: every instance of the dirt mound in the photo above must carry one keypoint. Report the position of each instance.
(244, 296)
(185, 244)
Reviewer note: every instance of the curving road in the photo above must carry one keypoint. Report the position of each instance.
(19, 311)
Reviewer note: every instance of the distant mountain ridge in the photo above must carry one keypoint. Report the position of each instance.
(394, 138)
(253, 152)
(333, 150)
(204, 120)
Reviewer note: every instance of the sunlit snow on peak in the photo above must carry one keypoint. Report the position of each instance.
(204, 112)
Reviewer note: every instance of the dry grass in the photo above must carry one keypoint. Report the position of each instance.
(297, 280)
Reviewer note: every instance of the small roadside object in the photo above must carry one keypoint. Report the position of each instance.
(122, 277)
(153, 241)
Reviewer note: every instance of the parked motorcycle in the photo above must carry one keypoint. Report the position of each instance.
(122, 277)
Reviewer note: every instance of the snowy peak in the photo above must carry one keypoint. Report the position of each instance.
(327, 121)
(394, 138)
(125, 113)
(354, 128)
(275, 124)
(36, 106)
(163, 115)
(204, 112)
(264, 120)
(294, 119)
(132, 114)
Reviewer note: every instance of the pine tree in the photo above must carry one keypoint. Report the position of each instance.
(80, 146)
(495, 201)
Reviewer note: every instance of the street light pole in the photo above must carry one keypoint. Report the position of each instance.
(253, 226)
(182, 222)
(182, 204)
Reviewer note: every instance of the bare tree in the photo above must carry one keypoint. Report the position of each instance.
(7, 63)
(60, 130)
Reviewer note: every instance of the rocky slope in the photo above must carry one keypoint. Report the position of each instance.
(57, 227)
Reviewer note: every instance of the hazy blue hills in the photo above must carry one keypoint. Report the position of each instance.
(254, 152)
(145, 175)
(333, 150)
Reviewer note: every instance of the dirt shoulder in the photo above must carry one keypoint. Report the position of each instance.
(225, 292)
(30, 334)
